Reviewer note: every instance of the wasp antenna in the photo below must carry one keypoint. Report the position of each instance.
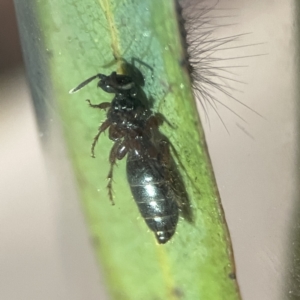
(84, 83)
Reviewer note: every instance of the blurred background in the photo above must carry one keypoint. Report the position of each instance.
(40, 258)
(256, 165)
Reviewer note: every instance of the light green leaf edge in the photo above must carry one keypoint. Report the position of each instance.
(80, 37)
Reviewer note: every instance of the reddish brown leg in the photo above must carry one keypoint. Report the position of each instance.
(135, 144)
(165, 147)
(115, 133)
(168, 163)
(165, 150)
(153, 122)
(103, 105)
(156, 120)
(118, 151)
(102, 128)
(174, 177)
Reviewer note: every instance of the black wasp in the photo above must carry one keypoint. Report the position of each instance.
(151, 173)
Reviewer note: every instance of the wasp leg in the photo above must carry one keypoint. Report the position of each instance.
(118, 151)
(103, 105)
(162, 119)
(115, 133)
(168, 163)
(174, 176)
(174, 151)
(157, 120)
(178, 160)
(165, 146)
(102, 128)
(154, 122)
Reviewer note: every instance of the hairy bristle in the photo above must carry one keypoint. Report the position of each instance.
(209, 58)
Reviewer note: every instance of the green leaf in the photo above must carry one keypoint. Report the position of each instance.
(81, 38)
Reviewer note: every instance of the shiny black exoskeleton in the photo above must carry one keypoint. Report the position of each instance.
(150, 169)
(150, 179)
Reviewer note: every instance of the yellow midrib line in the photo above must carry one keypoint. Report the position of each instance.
(115, 44)
(166, 272)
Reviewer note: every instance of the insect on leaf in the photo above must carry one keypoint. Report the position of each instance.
(78, 39)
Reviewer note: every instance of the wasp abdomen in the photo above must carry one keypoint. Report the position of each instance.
(153, 194)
